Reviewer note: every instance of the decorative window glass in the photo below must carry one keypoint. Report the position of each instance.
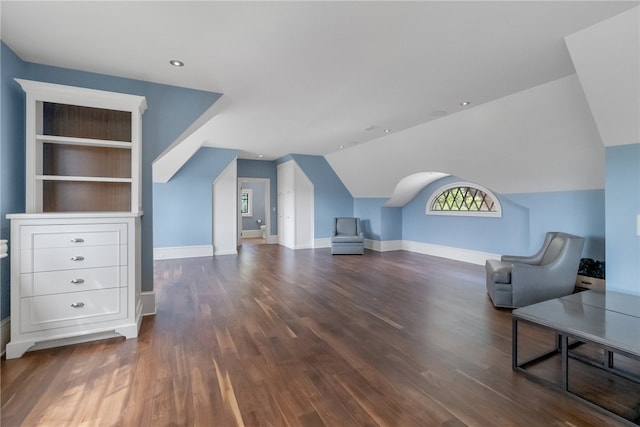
(245, 202)
(463, 199)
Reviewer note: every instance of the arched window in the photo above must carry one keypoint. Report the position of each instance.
(463, 198)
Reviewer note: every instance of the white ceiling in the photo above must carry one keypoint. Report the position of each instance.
(307, 77)
(607, 59)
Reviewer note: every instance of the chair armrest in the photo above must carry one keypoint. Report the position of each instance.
(533, 283)
(527, 274)
(498, 271)
(531, 260)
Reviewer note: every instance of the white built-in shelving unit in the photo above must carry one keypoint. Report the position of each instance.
(75, 252)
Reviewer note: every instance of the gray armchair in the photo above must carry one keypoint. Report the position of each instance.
(347, 237)
(517, 281)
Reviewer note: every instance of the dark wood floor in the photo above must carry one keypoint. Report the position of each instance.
(275, 337)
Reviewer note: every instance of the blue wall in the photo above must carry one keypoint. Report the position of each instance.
(525, 220)
(170, 111)
(258, 207)
(391, 219)
(368, 210)
(622, 194)
(378, 222)
(183, 206)
(12, 157)
(263, 169)
(508, 234)
(330, 196)
(577, 212)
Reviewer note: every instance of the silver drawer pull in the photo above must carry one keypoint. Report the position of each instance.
(77, 305)
(77, 240)
(77, 258)
(77, 281)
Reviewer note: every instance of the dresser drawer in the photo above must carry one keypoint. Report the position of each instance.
(52, 259)
(85, 279)
(74, 277)
(72, 235)
(62, 240)
(73, 308)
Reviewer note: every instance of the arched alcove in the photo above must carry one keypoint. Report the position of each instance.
(409, 186)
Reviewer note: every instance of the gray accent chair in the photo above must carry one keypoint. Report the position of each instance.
(347, 237)
(517, 281)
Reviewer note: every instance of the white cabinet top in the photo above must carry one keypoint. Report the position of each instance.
(63, 94)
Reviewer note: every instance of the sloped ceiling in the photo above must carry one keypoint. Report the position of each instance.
(410, 186)
(538, 140)
(607, 60)
(311, 77)
(308, 77)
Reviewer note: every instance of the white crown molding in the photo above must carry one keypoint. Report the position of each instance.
(83, 96)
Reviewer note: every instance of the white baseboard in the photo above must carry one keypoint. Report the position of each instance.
(272, 240)
(227, 252)
(465, 255)
(182, 252)
(376, 245)
(296, 247)
(303, 247)
(458, 254)
(5, 333)
(148, 299)
(383, 245)
(322, 243)
(251, 233)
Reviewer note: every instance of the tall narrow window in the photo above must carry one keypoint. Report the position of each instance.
(245, 202)
(463, 199)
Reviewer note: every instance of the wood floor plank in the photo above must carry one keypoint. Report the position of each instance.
(275, 337)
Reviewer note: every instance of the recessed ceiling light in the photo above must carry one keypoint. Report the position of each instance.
(260, 156)
(341, 146)
(387, 130)
(465, 103)
(176, 63)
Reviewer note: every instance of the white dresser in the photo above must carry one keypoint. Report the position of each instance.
(75, 253)
(72, 276)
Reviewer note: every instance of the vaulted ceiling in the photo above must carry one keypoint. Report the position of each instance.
(310, 77)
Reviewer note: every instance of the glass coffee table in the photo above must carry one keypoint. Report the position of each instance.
(596, 343)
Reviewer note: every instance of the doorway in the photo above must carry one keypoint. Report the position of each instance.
(254, 206)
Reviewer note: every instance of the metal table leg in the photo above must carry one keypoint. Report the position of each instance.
(564, 346)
